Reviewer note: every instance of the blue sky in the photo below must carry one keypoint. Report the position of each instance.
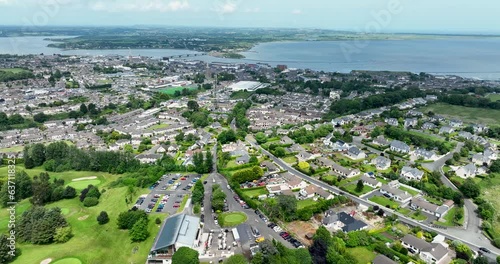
(432, 16)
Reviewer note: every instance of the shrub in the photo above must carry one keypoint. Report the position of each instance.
(158, 221)
(63, 234)
(103, 218)
(69, 192)
(90, 201)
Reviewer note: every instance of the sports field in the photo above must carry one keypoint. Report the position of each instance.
(467, 114)
(172, 90)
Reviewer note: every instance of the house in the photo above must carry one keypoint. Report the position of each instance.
(428, 126)
(308, 127)
(456, 123)
(465, 135)
(177, 231)
(428, 252)
(491, 154)
(271, 167)
(446, 130)
(340, 145)
(381, 163)
(391, 190)
(411, 174)
(425, 154)
(243, 159)
(392, 121)
(305, 156)
(342, 221)
(467, 171)
(433, 209)
(216, 125)
(344, 172)
(480, 159)
(399, 146)
(355, 153)
(162, 148)
(286, 141)
(294, 182)
(381, 141)
(296, 148)
(381, 259)
(148, 158)
(311, 191)
(411, 122)
(478, 128)
(370, 181)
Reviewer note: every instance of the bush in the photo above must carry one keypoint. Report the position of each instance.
(103, 218)
(126, 220)
(69, 193)
(63, 234)
(158, 221)
(139, 231)
(90, 201)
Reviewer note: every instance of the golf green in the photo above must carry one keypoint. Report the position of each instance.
(68, 261)
(233, 218)
(65, 211)
(80, 185)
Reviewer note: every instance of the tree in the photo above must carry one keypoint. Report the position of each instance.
(303, 165)
(23, 185)
(41, 189)
(480, 260)
(6, 255)
(83, 109)
(280, 152)
(226, 136)
(139, 231)
(63, 234)
(236, 259)
(90, 201)
(261, 138)
(126, 220)
(38, 225)
(359, 186)
(463, 251)
(69, 192)
(470, 189)
(157, 221)
(179, 137)
(185, 255)
(103, 218)
(193, 106)
(495, 166)
(40, 117)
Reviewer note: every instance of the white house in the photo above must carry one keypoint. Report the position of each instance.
(467, 171)
(410, 173)
(355, 153)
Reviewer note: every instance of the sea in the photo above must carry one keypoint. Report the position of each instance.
(471, 57)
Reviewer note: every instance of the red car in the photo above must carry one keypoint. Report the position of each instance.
(176, 206)
(183, 179)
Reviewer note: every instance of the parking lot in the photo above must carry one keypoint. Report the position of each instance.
(167, 194)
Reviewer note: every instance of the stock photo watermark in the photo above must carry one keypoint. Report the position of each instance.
(11, 204)
(379, 21)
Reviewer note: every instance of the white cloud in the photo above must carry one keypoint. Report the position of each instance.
(7, 2)
(140, 5)
(225, 7)
(296, 12)
(252, 10)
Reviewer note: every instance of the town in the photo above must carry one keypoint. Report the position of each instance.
(246, 163)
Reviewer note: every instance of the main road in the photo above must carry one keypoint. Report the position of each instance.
(470, 237)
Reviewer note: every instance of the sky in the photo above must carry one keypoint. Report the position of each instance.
(369, 16)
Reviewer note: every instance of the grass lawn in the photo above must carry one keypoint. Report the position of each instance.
(255, 192)
(158, 126)
(382, 180)
(433, 200)
(183, 204)
(493, 97)
(305, 203)
(490, 191)
(351, 188)
(449, 218)
(13, 149)
(384, 201)
(13, 70)
(466, 114)
(80, 185)
(419, 217)
(404, 211)
(362, 254)
(425, 135)
(233, 218)
(290, 160)
(68, 261)
(410, 191)
(172, 90)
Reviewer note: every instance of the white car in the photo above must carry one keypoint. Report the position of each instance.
(277, 229)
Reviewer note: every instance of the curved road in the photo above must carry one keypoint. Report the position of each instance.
(474, 239)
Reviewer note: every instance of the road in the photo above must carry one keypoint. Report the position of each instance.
(474, 239)
(233, 206)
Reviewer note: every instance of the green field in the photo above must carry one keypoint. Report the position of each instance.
(351, 188)
(384, 201)
(172, 90)
(419, 217)
(449, 218)
(13, 149)
(493, 97)
(159, 126)
(255, 192)
(410, 191)
(490, 191)
(290, 160)
(13, 70)
(362, 254)
(305, 203)
(80, 185)
(68, 261)
(233, 218)
(467, 114)
(67, 176)
(91, 243)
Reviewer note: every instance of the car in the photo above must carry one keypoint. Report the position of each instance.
(259, 239)
(204, 182)
(183, 178)
(257, 212)
(271, 225)
(256, 232)
(176, 206)
(484, 250)
(387, 195)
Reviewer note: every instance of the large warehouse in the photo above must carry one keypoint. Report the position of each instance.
(247, 85)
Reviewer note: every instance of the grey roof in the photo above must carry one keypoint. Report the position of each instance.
(418, 243)
(369, 180)
(244, 158)
(354, 150)
(381, 259)
(179, 228)
(437, 250)
(350, 224)
(421, 203)
(400, 145)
